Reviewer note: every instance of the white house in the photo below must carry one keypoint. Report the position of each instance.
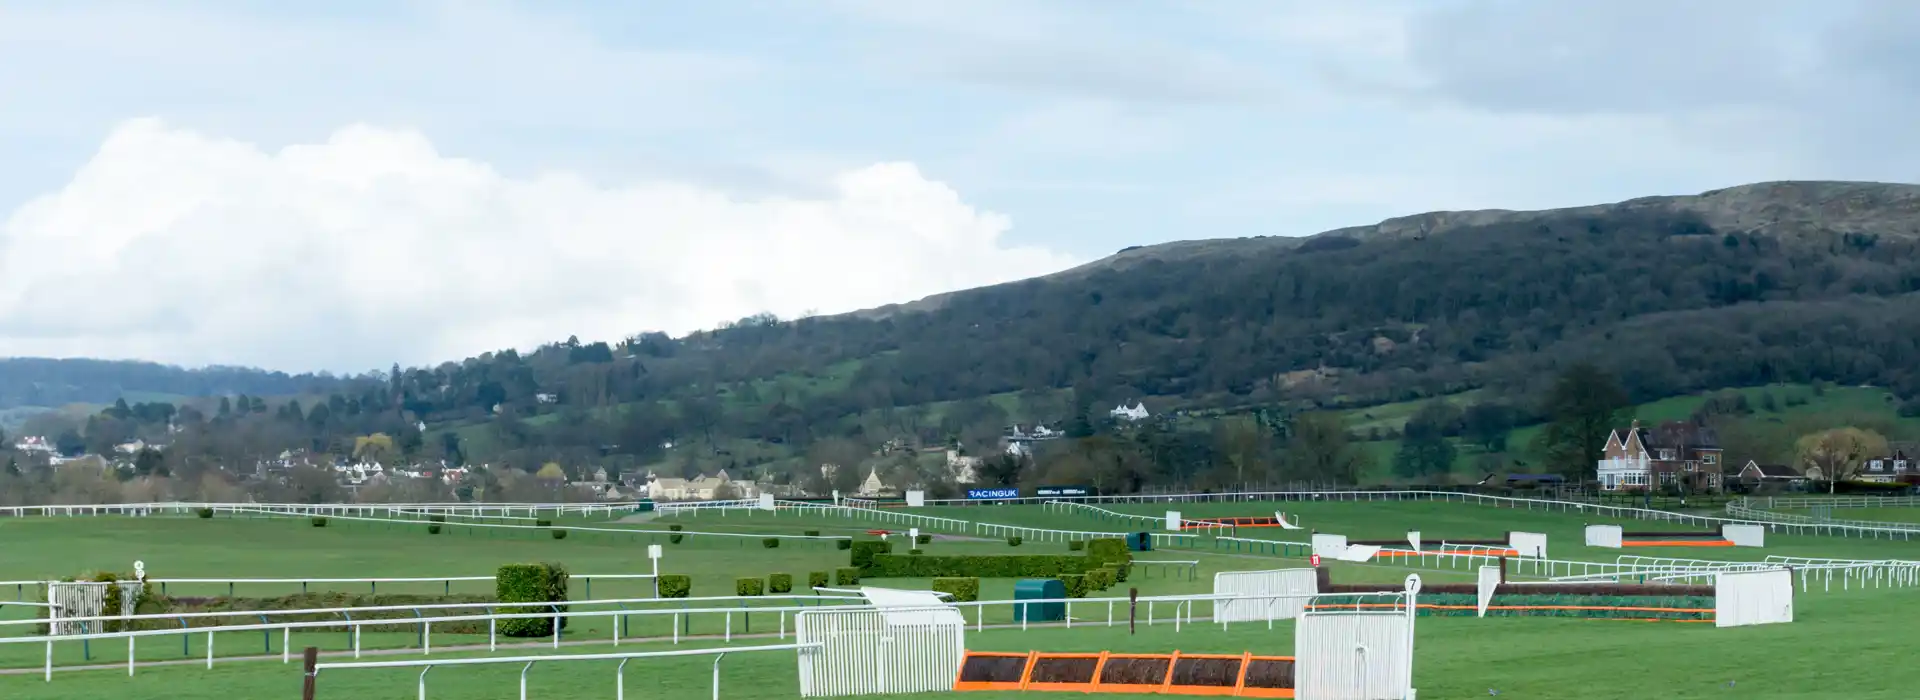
(962, 468)
(1122, 412)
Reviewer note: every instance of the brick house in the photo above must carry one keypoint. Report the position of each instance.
(1898, 467)
(1674, 453)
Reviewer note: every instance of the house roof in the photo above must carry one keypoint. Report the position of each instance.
(1777, 470)
(1675, 435)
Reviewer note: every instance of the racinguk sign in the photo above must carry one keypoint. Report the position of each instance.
(992, 494)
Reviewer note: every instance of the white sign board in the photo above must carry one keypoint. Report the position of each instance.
(1413, 538)
(913, 535)
(653, 551)
(766, 501)
(1743, 598)
(916, 499)
(1173, 520)
(1745, 535)
(1603, 536)
(1528, 544)
(1329, 545)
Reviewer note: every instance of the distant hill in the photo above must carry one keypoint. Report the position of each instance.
(1783, 282)
(40, 382)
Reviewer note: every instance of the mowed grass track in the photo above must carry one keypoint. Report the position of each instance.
(1528, 658)
(1541, 658)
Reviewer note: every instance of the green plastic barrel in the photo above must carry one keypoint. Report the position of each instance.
(1140, 541)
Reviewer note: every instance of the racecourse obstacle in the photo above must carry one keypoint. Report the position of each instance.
(1744, 598)
(1285, 582)
(1341, 652)
(1242, 675)
(896, 649)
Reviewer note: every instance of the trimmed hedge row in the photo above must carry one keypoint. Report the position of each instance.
(780, 583)
(319, 521)
(965, 589)
(846, 576)
(1665, 607)
(816, 579)
(983, 566)
(749, 587)
(530, 583)
(402, 620)
(865, 550)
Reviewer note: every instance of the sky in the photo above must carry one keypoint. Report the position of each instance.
(344, 185)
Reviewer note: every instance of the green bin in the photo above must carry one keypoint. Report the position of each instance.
(1140, 541)
(1040, 589)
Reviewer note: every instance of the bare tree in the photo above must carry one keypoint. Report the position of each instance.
(1840, 452)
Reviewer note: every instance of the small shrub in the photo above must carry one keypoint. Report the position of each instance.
(916, 551)
(319, 521)
(811, 533)
(770, 542)
(846, 576)
(204, 513)
(864, 550)
(436, 518)
(780, 583)
(1119, 571)
(433, 529)
(749, 587)
(1100, 579)
(1013, 541)
(559, 534)
(964, 589)
(543, 522)
(1076, 585)
(843, 544)
(816, 579)
(1108, 549)
(1076, 545)
(675, 538)
(676, 528)
(924, 538)
(675, 586)
(530, 583)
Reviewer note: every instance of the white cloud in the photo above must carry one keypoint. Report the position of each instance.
(373, 247)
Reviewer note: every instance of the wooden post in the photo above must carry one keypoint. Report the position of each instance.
(1133, 607)
(1503, 569)
(308, 659)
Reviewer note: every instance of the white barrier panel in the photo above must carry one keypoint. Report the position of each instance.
(1173, 520)
(1603, 536)
(916, 499)
(1745, 535)
(766, 501)
(1349, 655)
(1489, 580)
(1752, 598)
(1277, 581)
(1413, 538)
(1358, 552)
(1528, 544)
(1329, 545)
(873, 652)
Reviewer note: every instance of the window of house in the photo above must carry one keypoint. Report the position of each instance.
(1710, 458)
(1666, 454)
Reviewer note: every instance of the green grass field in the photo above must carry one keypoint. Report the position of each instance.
(1457, 657)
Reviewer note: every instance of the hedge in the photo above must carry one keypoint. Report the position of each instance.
(401, 619)
(559, 534)
(319, 521)
(965, 589)
(810, 533)
(530, 583)
(749, 587)
(1076, 585)
(864, 551)
(675, 528)
(1076, 545)
(1119, 571)
(816, 579)
(924, 538)
(204, 513)
(1109, 549)
(780, 583)
(675, 538)
(542, 522)
(770, 542)
(1099, 579)
(846, 576)
(1013, 541)
(436, 518)
(983, 566)
(1466, 605)
(433, 529)
(675, 585)
(843, 544)
(916, 551)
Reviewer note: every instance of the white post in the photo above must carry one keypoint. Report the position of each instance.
(209, 650)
